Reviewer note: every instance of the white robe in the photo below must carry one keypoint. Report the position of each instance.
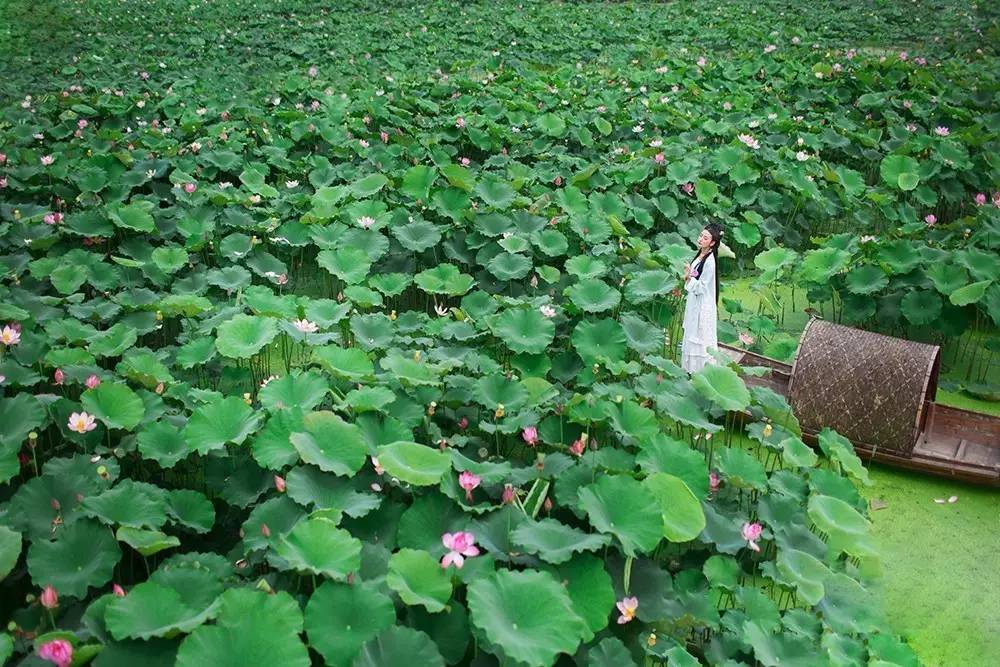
(700, 319)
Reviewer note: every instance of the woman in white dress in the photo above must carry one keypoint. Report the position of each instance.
(700, 311)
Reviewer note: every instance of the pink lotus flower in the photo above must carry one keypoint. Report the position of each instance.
(58, 651)
(282, 279)
(687, 188)
(118, 591)
(702, 62)
(530, 435)
(52, 218)
(59, 377)
(460, 546)
(378, 468)
(463, 423)
(159, 388)
(190, 187)
(751, 533)
(384, 136)
(47, 160)
(547, 311)
(279, 483)
(930, 219)
(713, 482)
(660, 158)
(363, 143)
(746, 338)
(468, 481)
(980, 198)
(3, 183)
(907, 104)
(577, 447)
(49, 598)
(366, 221)
(81, 422)
(911, 127)
(465, 162)
(305, 326)
(627, 608)
(942, 131)
(459, 122)
(903, 55)
(3, 158)
(10, 335)
(996, 199)
(770, 48)
(749, 141)
(313, 71)
(508, 494)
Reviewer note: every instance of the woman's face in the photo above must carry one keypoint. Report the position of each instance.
(705, 239)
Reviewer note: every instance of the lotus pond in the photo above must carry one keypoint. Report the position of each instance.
(346, 334)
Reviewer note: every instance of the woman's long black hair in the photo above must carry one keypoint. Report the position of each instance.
(716, 231)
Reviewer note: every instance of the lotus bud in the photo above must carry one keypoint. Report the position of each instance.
(159, 388)
(279, 483)
(463, 423)
(49, 598)
(118, 591)
(442, 444)
(547, 505)
(431, 408)
(264, 530)
(55, 504)
(508, 494)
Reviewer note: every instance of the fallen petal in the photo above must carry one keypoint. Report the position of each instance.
(953, 499)
(939, 501)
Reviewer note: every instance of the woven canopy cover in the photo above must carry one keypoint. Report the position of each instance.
(868, 387)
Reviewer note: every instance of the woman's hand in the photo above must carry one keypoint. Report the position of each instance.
(687, 272)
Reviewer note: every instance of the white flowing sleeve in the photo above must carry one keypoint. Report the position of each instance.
(706, 284)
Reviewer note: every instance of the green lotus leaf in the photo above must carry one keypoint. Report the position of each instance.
(414, 463)
(722, 386)
(417, 182)
(867, 279)
(222, 421)
(585, 267)
(900, 171)
(419, 579)
(459, 177)
(524, 330)
(630, 419)
(921, 306)
(82, 555)
(774, 259)
(191, 509)
(129, 503)
(495, 192)
(349, 264)
(20, 414)
(598, 341)
(330, 443)
(804, 570)
(683, 517)
(311, 487)
(643, 337)
(146, 542)
(113, 341)
(552, 124)
(317, 546)
(493, 391)
(272, 447)
(625, 508)
(10, 550)
(298, 390)
(648, 285)
(390, 284)
(136, 216)
(114, 404)
(340, 618)
(369, 185)
(444, 279)
(154, 610)
(373, 331)
(742, 469)
(664, 454)
(279, 514)
(609, 652)
(350, 364)
(252, 627)
(593, 296)
(397, 645)
(418, 235)
(509, 266)
(243, 336)
(798, 453)
(847, 607)
(821, 265)
(528, 614)
(846, 527)
(555, 542)
(972, 293)
(722, 572)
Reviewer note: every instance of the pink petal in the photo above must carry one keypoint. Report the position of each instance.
(622, 620)
(471, 551)
(448, 540)
(753, 545)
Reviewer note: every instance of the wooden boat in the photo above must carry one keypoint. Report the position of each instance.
(879, 392)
